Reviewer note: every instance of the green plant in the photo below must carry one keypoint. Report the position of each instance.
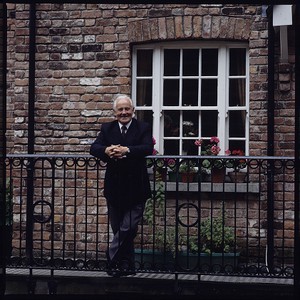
(236, 164)
(164, 235)
(210, 148)
(155, 205)
(187, 166)
(159, 165)
(209, 164)
(215, 237)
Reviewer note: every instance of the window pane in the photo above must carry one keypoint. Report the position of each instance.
(171, 92)
(237, 93)
(237, 64)
(186, 107)
(237, 123)
(190, 123)
(209, 122)
(144, 92)
(190, 62)
(144, 63)
(171, 62)
(145, 115)
(209, 92)
(171, 123)
(190, 92)
(189, 148)
(209, 62)
(171, 147)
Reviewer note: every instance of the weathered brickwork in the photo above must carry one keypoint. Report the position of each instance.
(83, 58)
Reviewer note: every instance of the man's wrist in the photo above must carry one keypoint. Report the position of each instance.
(126, 150)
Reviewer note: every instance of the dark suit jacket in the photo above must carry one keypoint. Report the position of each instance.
(126, 180)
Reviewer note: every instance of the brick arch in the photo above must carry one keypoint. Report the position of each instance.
(189, 27)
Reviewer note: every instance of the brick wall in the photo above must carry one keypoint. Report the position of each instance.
(83, 58)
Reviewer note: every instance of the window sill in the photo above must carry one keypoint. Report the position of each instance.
(227, 187)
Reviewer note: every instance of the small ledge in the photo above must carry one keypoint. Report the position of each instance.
(227, 187)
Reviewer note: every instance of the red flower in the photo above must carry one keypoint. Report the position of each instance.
(235, 152)
(241, 163)
(214, 139)
(209, 148)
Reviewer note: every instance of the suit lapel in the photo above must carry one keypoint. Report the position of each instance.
(130, 134)
(131, 130)
(115, 133)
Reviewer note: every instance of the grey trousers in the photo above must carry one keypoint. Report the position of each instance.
(124, 224)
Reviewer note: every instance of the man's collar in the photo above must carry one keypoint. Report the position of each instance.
(127, 125)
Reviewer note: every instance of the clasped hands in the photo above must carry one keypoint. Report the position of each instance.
(116, 151)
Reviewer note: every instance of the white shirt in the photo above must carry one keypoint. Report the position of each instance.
(127, 125)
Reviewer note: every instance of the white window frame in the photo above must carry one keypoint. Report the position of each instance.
(223, 88)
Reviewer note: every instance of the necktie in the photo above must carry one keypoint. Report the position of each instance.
(123, 130)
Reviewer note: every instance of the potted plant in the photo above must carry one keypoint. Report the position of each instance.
(216, 237)
(215, 245)
(160, 166)
(210, 148)
(236, 164)
(187, 170)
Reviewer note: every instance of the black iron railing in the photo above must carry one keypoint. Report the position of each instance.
(197, 222)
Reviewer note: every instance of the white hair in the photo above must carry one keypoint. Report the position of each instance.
(119, 97)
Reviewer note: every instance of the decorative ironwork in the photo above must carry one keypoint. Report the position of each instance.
(70, 227)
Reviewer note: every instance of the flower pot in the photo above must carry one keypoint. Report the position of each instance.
(173, 176)
(187, 177)
(160, 174)
(237, 176)
(218, 175)
(163, 173)
(190, 261)
(153, 259)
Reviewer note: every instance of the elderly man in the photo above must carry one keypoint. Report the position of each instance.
(123, 144)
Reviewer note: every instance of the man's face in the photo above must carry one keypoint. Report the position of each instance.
(124, 111)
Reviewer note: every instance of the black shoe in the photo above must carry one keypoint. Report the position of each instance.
(107, 257)
(127, 273)
(114, 273)
(111, 264)
(120, 273)
(126, 268)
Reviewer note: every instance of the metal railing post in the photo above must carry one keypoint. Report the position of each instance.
(270, 149)
(2, 146)
(31, 142)
(297, 156)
